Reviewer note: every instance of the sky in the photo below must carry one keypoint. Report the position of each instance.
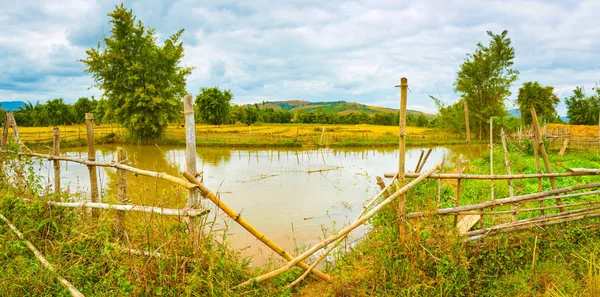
(307, 50)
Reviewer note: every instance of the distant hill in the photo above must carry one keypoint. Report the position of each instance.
(11, 105)
(340, 107)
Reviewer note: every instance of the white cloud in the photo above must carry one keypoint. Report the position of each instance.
(312, 50)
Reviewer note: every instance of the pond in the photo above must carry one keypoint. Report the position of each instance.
(271, 188)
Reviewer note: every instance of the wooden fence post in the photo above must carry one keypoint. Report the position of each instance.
(190, 156)
(56, 152)
(457, 200)
(122, 194)
(402, 149)
(507, 164)
(89, 123)
(540, 143)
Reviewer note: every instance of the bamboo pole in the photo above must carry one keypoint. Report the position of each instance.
(507, 165)
(514, 199)
(134, 170)
(129, 207)
(402, 150)
(56, 152)
(324, 169)
(190, 160)
(450, 211)
(419, 162)
(5, 131)
(342, 232)
(457, 200)
(466, 105)
(536, 126)
(121, 193)
(89, 123)
(424, 160)
(497, 176)
(74, 292)
(523, 224)
(501, 212)
(385, 192)
(246, 225)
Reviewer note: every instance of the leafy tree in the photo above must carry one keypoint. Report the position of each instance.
(237, 114)
(56, 112)
(83, 106)
(214, 105)
(451, 117)
(251, 115)
(142, 81)
(485, 77)
(582, 109)
(543, 100)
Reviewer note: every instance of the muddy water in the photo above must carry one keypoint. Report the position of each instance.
(272, 189)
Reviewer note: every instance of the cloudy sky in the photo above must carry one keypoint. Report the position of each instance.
(310, 50)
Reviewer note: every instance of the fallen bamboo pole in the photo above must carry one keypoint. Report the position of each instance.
(500, 212)
(238, 218)
(341, 233)
(514, 199)
(499, 176)
(130, 207)
(523, 224)
(134, 170)
(325, 169)
(447, 211)
(74, 292)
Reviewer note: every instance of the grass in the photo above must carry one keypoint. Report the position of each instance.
(260, 135)
(432, 260)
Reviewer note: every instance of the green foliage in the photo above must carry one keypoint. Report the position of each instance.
(582, 109)
(485, 78)
(214, 105)
(141, 80)
(452, 117)
(543, 100)
(83, 106)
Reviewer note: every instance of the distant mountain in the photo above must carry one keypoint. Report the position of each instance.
(11, 105)
(340, 107)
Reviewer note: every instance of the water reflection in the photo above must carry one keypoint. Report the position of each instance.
(271, 188)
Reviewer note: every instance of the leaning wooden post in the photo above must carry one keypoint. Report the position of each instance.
(190, 154)
(402, 146)
(121, 194)
(89, 124)
(56, 152)
(540, 143)
(507, 164)
(467, 121)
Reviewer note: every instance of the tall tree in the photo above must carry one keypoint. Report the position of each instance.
(56, 112)
(214, 105)
(543, 100)
(485, 77)
(142, 81)
(583, 109)
(81, 107)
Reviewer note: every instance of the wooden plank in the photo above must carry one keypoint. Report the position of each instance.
(466, 222)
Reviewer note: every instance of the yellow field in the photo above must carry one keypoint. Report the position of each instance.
(257, 135)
